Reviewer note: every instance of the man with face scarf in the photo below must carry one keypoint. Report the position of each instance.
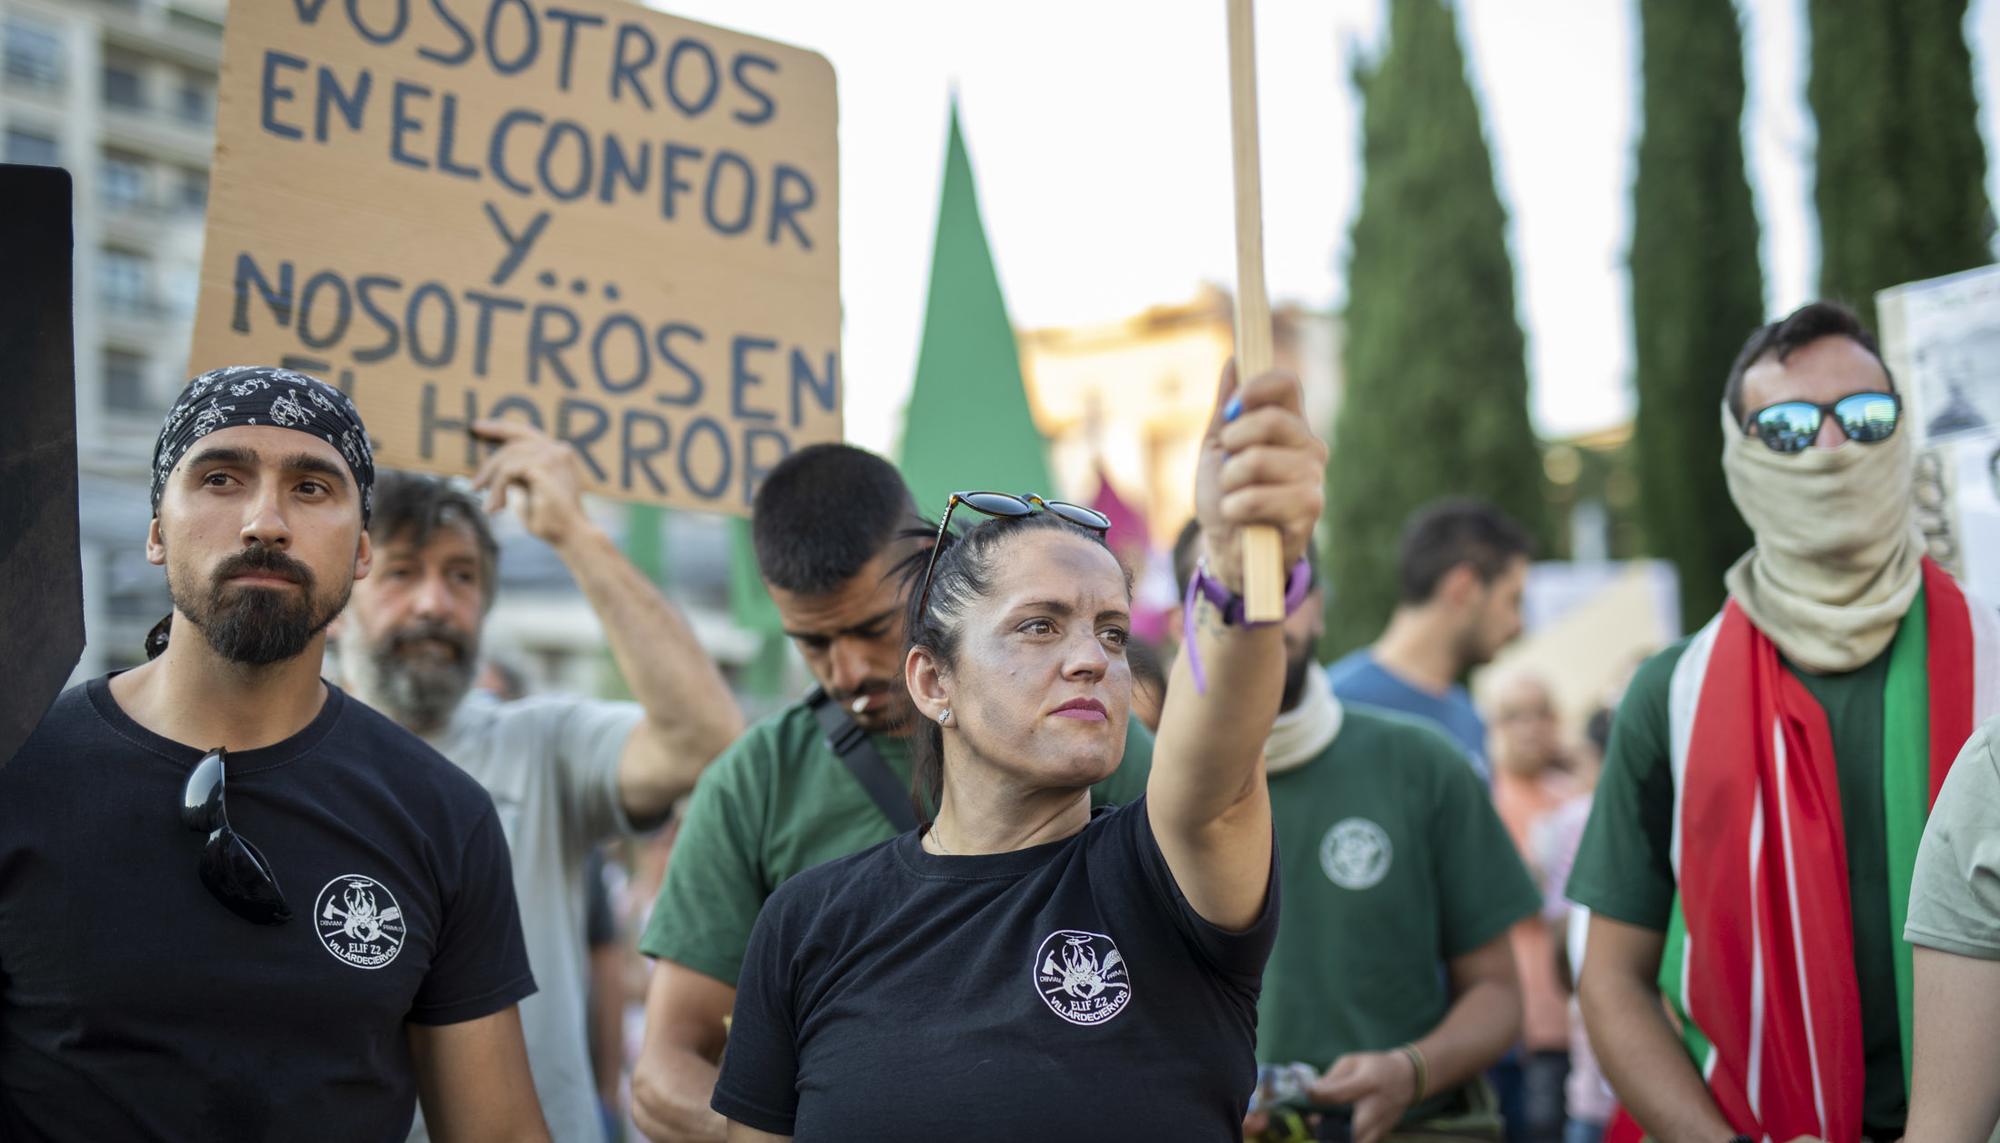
(1750, 849)
(162, 976)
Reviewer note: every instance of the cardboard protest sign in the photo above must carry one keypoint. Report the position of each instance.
(612, 223)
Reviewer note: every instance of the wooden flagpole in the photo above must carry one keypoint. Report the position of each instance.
(1263, 552)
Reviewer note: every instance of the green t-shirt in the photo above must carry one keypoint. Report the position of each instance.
(1392, 862)
(1624, 870)
(777, 802)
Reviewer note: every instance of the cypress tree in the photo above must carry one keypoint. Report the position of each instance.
(1435, 362)
(1697, 289)
(1901, 181)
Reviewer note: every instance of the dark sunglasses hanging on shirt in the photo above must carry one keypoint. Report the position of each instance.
(231, 868)
(1792, 426)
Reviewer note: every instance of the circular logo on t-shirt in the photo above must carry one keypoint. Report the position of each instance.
(359, 921)
(1082, 977)
(1355, 853)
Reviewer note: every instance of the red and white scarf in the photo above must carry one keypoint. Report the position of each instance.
(1760, 951)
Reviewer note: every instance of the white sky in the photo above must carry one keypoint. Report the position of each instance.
(1099, 133)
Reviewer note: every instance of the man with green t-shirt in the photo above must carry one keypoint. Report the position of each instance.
(1393, 976)
(833, 527)
(1750, 849)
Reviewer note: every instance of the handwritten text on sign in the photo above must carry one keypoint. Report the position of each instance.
(614, 224)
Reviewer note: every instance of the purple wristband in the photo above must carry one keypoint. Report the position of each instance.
(1230, 604)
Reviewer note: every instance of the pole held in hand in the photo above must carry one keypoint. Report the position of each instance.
(1263, 552)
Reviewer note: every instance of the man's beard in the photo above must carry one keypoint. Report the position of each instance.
(1471, 648)
(1296, 668)
(257, 625)
(413, 684)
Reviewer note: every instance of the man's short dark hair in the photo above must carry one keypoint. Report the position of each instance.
(823, 513)
(1187, 547)
(410, 506)
(1794, 332)
(1442, 535)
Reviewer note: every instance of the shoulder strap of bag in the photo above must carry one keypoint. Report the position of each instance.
(863, 760)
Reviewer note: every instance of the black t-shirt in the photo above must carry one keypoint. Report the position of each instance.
(133, 1005)
(1062, 992)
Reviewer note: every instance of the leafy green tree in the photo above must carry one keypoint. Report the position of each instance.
(1436, 399)
(1697, 288)
(1901, 186)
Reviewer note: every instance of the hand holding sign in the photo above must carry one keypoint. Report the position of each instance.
(544, 475)
(1260, 467)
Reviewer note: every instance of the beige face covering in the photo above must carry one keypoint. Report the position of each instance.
(1299, 734)
(1838, 555)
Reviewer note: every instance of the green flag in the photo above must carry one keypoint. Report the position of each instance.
(967, 426)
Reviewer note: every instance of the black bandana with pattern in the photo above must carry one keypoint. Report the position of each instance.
(264, 395)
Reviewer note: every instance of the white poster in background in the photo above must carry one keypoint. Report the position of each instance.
(1941, 338)
(1976, 496)
(1951, 328)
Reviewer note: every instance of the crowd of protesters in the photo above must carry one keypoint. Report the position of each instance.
(1006, 873)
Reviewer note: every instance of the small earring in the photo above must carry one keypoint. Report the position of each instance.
(944, 716)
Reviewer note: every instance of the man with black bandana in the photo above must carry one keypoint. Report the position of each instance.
(1754, 832)
(164, 976)
(1393, 979)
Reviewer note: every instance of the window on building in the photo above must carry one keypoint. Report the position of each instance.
(125, 382)
(179, 286)
(123, 86)
(34, 54)
(197, 100)
(122, 281)
(194, 190)
(125, 181)
(30, 149)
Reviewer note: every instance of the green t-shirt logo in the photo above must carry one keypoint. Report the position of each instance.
(1355, 853)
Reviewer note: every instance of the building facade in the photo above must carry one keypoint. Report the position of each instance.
(1130, 399)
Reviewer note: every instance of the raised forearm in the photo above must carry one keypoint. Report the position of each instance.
(690, 714)
(1211, 741)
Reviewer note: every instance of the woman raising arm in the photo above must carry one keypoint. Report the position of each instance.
(1020, 969)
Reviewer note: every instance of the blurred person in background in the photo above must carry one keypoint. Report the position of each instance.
(1392, 978)
(1768, 778)
(1460, 574)
(605, 985)
(1588, 1102)
(566, 773)
(1149, 683)
(833, 527)
(1530, 782)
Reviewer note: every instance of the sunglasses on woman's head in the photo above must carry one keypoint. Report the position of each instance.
(232, 869)
(1792, 426)
(1006, 505)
